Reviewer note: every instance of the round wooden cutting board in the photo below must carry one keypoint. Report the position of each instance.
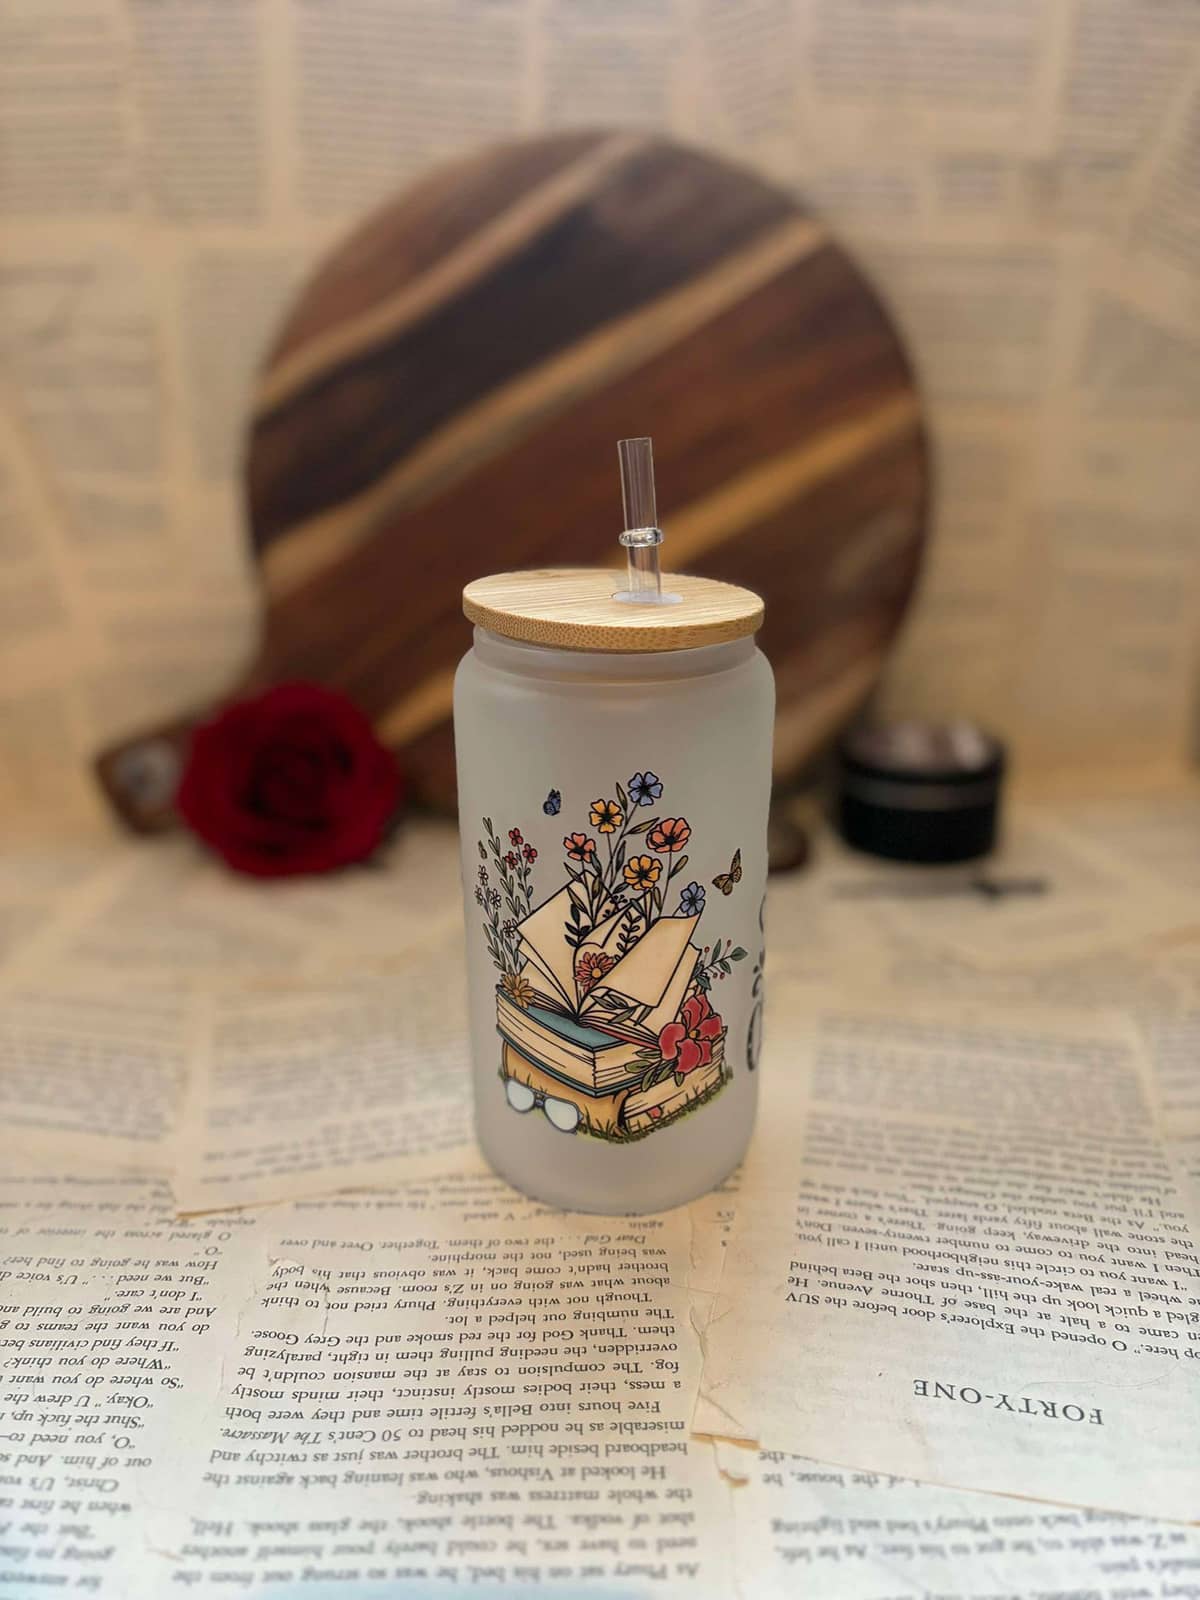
(445, 399)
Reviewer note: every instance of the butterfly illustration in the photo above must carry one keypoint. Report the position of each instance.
(552, 803)
(726, 880)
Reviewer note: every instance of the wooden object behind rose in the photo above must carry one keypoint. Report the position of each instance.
(444, 401)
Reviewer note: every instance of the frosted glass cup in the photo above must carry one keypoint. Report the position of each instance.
(613, 813)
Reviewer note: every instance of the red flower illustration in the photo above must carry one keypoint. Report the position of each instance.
(591, 967)
(688, 1042)
(510, 860)
(289, 781)
(515, 836)
(670, 835)
(579, 847)
(530, 854)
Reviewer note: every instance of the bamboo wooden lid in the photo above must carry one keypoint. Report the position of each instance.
(572, 608)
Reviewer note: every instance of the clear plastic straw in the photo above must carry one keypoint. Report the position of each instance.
(642, 535)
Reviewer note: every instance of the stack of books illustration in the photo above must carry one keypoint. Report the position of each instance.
(586, 1020)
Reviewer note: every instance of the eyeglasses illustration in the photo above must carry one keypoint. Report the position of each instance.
(560, 1114)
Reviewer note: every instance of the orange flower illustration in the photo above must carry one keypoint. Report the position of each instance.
(579, 847)
(591, 967)
(518, 989)
(670, 835)
(642, 871)
(606, 816)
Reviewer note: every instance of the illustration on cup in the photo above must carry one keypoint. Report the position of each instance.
(604, 1002)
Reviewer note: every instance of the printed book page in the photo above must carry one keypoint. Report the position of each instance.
(490, 1392)
(298, 1091)
(438, 1387)
(41, 874)
(1041, 896)
(542, 1444)
(804, 1527)
(168, 909)
(115, 1320)
(168, 912)
(960, 1239)
(1156, 836)
(90, 1076)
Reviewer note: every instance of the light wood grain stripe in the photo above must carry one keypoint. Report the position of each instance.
(751, 498)
(479, 255)
(756, 494)
(429, 704)
(515, 409)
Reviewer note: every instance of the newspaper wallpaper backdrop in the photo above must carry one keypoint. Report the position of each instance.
(1021, 180)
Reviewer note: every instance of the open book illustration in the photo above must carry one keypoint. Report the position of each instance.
(603, 1004)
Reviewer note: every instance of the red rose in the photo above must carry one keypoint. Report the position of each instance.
(290, 781)
(688, 1042)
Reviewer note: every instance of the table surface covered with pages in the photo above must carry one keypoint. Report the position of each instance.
(269, 1326)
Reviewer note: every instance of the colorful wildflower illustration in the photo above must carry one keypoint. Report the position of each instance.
(604, 1001)
(515, 893)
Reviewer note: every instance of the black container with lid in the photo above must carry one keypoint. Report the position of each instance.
(915, 791)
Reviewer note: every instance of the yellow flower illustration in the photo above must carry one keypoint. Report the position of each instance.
(518, 989)
(642, 871)
(606, 816)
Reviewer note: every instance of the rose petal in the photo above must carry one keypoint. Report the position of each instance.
(710, 1028)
